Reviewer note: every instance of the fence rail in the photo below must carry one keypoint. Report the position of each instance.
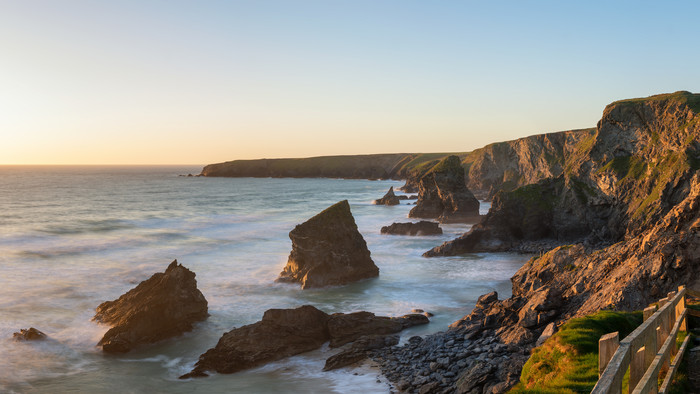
(648, 351)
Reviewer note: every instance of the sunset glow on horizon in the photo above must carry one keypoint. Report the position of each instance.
(175, 82)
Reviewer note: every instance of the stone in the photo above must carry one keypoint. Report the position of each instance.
(423, 227)
(281, 333)
(328, 250)
(443, 194)
(358, 350)
(389, 198)
(345, 328)
(163, 306)
(30, 334)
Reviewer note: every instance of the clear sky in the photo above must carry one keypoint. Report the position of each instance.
(197, 82)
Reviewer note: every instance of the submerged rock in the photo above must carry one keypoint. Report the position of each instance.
(163, 306)
(30, 334)
(423, 227)
(389, 198)
(443, 194)
(281, 333)
(328, 250)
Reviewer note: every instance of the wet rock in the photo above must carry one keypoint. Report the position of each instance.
(345, 328)
(358, 350)
(328, 250)
(30, 334)
(281, 333)
(443, 194)
(163, 306)
(389, 198)
(423, 227)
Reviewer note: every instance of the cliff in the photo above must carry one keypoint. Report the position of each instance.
(499, 166)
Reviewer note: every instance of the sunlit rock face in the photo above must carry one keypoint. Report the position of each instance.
(163, 306)
(328, 250)
(443, 194)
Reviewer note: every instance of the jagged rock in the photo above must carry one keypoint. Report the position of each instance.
(423, 227)
(474, 377)
(328, 250)
(546, 334)
(31, 334)
(358, 350)
(163, 306)
(443, 194)
(389, 198)
(281, 333)
(345, 328)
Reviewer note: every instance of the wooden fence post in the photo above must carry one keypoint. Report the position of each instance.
(637, 368)
(607, 345)
(680, 308)
(648, 311)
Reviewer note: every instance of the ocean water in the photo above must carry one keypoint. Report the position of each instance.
(73, 237)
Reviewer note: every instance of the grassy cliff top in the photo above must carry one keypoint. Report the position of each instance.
(692, 100)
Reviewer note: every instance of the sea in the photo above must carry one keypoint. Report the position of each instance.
(72, 237)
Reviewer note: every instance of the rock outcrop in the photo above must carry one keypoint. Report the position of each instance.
(30, 334)
(286, 332)
(281, 333)
(359, 349)
(632, 195)
(328, 250)
(423, 227)
(443, 195)
(163, 306)
(389, 198)
(346, 327)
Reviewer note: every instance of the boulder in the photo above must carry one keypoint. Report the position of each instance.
(443, 194)
(281, 333)
(164, 306)
(358, 350)
(423, 227)
(347, 327)
(328, 250)
(31, 334)
(389, 198)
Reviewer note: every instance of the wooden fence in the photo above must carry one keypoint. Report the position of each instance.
(648, 351)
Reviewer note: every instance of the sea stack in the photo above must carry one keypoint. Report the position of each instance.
(163, 306)
(443, 194)
(389, 198)
(328, 250)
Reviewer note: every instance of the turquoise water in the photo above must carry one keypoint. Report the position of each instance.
(73, 237)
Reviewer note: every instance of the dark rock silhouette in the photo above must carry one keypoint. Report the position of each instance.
(443, 194)
(346, 327)
(423, 227)
(30, 334)
(163, 306)
(328, 250)
(389, 198)
(358, 350)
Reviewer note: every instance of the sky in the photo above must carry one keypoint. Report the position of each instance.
(198, 82)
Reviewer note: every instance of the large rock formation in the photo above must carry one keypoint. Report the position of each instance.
(423, 227)
(443, 194)
(632, 193)
(328, 250)
(281, 333)
(163, 306)
(389, 198)
(285, 332)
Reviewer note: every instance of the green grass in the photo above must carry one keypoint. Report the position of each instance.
(568, 361)
(683, 97)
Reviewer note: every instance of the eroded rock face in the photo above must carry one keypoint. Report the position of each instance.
(443, 194)
(389, 198)
(328, 250)
(358, 350)
(30, 334)
(163, 306)
(281, 333)
(423, 227)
